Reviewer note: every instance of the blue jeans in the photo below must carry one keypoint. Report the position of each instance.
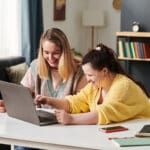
(24, 148)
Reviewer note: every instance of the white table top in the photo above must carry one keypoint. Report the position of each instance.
(83, 136)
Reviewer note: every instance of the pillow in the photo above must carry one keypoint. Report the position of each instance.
(16, 73)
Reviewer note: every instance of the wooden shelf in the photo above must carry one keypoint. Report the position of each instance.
(134, 34)
(133, 46)
(133, 59)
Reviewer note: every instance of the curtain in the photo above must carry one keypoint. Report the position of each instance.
(31, 27)
(10, 29)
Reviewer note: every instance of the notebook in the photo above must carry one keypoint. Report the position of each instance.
(131, 141)
(20, 105)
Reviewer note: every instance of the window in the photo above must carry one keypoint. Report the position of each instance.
(10, 28)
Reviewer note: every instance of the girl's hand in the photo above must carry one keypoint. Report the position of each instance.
(2, 107)
(63, 117)
(39, 99)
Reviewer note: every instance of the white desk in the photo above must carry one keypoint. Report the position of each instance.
(56, 137)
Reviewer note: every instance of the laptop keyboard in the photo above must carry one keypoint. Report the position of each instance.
(45, 116)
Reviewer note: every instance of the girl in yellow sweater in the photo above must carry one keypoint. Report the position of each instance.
(110, 96)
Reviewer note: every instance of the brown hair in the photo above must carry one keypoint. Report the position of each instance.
(104, 56)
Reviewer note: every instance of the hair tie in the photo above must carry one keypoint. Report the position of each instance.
(98, 48)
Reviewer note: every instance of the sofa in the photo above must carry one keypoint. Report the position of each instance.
(12, 69)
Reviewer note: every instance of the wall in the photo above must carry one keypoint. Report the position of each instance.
(112, 20)
(79, 36)
(135, 11)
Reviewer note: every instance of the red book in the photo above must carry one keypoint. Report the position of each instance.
(146, 50)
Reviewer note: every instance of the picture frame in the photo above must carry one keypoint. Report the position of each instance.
(59, 10)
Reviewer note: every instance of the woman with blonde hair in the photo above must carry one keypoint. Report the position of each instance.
(55, 72)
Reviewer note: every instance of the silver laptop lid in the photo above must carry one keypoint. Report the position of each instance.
(19, 102)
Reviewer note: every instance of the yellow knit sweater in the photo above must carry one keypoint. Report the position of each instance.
(124, 100)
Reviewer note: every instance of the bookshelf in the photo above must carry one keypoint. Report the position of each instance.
(133, 46)
(138, 67)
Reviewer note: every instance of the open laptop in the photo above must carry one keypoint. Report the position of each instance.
(20, 105)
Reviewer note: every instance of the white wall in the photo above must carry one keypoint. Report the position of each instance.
(79, 36)
(112, 20)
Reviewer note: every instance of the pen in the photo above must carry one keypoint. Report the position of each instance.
(110, 138)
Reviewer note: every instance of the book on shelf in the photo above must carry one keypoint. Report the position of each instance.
(120, 48)
(131, 46)
(136, 50)
(131, 141)
(127, 49)
(144, 132)
(146, 48)
(140, 49)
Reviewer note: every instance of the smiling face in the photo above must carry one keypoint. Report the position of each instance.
(92, 75)
(51, 53)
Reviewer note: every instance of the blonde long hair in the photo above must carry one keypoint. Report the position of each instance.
(66, 65)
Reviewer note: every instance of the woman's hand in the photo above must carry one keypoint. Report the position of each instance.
(39, 99)
(63, 117)
(2, 106)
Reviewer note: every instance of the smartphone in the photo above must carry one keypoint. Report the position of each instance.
(113, 129)
(144, 132)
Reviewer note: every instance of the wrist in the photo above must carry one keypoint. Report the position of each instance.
(70, 119)
(48, 101)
